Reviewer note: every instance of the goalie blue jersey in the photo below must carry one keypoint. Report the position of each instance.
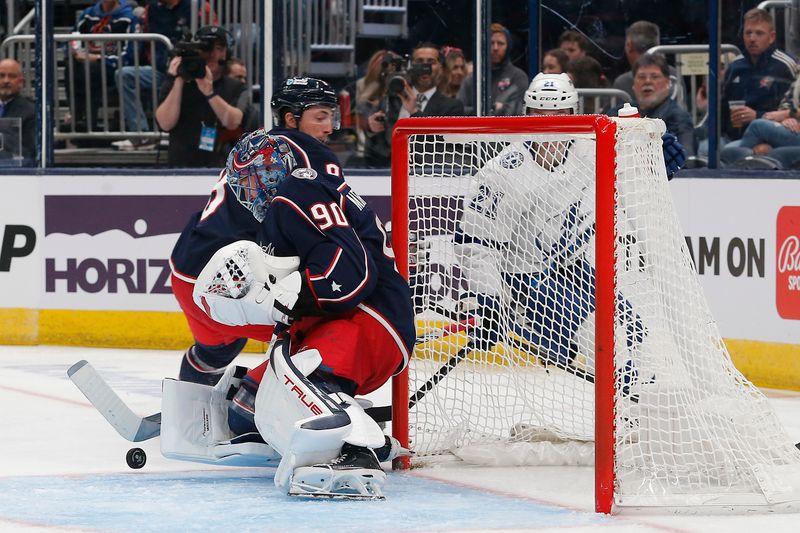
(342, 245)
(222, 221)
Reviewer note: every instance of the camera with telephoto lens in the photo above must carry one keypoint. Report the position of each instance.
(394, 68)
(193, 64)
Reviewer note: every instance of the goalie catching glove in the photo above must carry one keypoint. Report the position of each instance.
(242, 285)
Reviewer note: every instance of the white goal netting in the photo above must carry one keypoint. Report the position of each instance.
(501, 265)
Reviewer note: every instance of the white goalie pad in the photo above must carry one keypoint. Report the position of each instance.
(194, 426)
(234, 286)
(305, 425)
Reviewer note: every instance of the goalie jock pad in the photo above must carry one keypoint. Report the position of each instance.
(303, 422)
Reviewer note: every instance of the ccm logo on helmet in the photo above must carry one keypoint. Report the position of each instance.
(301, 394)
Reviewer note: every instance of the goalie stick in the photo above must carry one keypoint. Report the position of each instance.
(100, 394)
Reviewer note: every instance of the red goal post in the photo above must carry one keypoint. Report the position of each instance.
(604, 129)
(648, 386)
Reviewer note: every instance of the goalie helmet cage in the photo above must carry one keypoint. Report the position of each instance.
(648, 380)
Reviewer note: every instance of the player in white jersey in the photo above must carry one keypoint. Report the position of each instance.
(525, 236)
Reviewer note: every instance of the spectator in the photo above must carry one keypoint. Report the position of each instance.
(586, 73)
(573, 43)
(370, 94)
(15, 105)
(758, 79)
(507, 81)
(454, 71)
(165, 17)
(555, 61)
(418, 97)
(651, 93)
(202, 112)
(104, 17)
(776, 134)
(639, 38)
(370, 87)
(237, 70)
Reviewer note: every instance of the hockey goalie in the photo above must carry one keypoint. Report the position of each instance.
(341, 311)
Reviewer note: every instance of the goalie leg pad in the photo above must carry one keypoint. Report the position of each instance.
(194, 425)
(304, 424)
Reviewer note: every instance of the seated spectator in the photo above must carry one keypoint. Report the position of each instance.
(586, 73)
(15, 105)
(651, 94)
(573, 43)
(776, 134)
(755, 82)
(639, 38)
(106, 16)
(453, 72)
(555, 61)
(237, 70)
(201, 113)
(165, 17)
(508, 82)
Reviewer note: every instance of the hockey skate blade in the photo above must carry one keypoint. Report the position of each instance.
(356, 484)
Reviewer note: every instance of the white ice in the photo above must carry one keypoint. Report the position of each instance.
(62, 468)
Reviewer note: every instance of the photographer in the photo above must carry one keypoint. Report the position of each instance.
(410, 93)
(199, 106)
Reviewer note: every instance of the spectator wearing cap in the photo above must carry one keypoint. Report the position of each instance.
(200, 107)
(508, 82)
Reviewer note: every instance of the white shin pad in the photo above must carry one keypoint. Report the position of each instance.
(194, 426)
(304, 424)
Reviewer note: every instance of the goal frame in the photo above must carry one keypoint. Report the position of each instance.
(604, 130)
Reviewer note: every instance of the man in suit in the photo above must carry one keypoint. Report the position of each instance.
(15, 105)
(419, 98)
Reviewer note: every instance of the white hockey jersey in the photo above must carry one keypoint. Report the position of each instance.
(524, 212)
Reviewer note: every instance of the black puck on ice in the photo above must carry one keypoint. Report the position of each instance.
(136, 458)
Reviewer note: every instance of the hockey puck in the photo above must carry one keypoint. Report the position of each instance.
(136, 458)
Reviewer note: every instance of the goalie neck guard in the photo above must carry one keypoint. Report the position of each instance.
(552, 91)
(256, 166)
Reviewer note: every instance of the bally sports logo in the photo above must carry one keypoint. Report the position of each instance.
(787, 265)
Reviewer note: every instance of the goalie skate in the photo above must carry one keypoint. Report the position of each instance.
(354, 475)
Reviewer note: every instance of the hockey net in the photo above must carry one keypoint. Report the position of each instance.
(511, 224)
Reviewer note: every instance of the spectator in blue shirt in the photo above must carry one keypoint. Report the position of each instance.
(90, 57)
(758, 79)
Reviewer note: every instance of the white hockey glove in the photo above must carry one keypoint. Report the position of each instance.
(234, 288)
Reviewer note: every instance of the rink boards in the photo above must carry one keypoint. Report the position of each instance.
(83, 260)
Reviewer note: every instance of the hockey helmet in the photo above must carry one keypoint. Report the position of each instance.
(552, 91)
(256, 166)
(298, 94)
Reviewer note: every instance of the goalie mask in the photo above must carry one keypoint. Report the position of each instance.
(256, 166)
(551, 91)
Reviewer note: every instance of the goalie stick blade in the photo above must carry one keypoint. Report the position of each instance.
(128, 424)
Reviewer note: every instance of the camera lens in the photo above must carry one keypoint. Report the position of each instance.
(396, 85)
